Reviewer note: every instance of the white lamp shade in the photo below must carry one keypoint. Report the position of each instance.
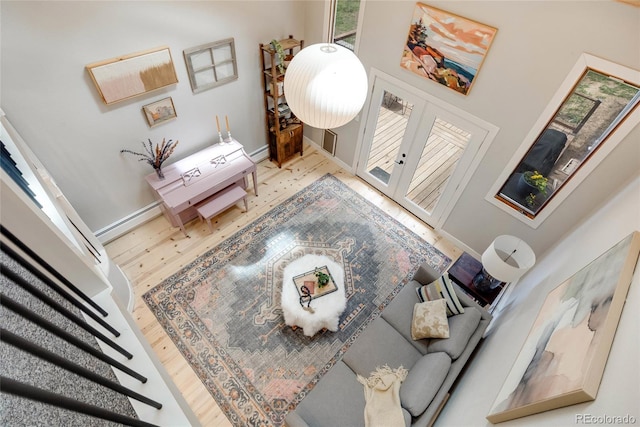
(502, 263)
(325, 85)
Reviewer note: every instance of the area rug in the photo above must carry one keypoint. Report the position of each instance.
(223, 310)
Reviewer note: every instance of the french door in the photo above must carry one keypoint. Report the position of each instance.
(419, 150)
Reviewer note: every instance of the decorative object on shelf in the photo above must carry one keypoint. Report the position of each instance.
(505, 260)
(326, 85)
(155, 154)
(275, 45)
(211, 65)
(452, 57)
(132, 75)
(284, 130)
(160, 111)
(563, 358)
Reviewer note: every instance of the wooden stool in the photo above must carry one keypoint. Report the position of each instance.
(221, 201)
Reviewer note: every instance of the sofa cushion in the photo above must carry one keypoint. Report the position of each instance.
(430, 320)
(461, 327)
(441, 288)
(423, 382)
(407, 417)
(338, 390)
(378, 345)
(399, 314)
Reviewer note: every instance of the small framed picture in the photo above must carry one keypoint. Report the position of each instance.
(159, 111)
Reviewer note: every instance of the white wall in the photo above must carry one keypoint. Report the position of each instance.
(619, 393)
(537, 44)
(49, 97)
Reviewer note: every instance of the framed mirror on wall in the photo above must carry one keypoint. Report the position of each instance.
(594, 109)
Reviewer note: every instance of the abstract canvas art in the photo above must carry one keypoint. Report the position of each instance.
(446, 48)
(563, 359)
(124, 77)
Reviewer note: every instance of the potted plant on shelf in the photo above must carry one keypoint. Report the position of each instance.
(282, 57)
(155, 155)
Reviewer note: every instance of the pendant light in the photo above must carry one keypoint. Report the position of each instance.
(325, 83)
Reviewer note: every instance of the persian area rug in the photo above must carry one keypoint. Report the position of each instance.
(223, 310)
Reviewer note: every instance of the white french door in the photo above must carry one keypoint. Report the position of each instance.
(419, 150)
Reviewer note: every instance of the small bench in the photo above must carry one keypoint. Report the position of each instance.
(221, 201)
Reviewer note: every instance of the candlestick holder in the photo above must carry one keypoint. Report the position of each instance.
(221, 141)
(228, 136)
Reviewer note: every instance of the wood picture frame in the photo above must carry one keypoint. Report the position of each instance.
(211, 65)
(446, 48)
(132, 75)
(563, 358)
(159, 111)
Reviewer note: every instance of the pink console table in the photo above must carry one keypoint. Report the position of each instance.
(201, 176)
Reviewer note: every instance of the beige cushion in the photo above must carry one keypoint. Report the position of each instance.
(430, 320)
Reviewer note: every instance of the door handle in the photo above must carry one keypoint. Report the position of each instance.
(401, 162)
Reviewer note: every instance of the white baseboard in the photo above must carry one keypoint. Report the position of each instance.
(334, 159)
(458, 243)
(149, 212)
(128, 223)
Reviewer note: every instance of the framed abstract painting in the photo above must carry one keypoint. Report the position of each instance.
(131, 75)
(563, 358)
(446, 48)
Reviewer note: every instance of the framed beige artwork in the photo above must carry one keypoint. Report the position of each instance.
(446, 48)
(159, 111)
(131, 75)
(564, 356)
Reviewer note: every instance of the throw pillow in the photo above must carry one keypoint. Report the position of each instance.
(430, 320)
(442, 288)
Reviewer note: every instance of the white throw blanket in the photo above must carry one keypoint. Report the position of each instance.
(382, 397)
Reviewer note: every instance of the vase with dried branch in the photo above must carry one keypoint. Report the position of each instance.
(155, 154)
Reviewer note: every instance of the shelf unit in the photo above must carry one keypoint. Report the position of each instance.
(284, 130)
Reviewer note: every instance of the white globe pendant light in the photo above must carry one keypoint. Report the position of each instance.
(325, 85)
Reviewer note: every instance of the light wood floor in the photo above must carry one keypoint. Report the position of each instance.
(155, 250)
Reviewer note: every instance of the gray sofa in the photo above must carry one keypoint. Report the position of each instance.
(433, 364)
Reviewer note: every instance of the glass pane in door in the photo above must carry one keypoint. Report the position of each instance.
(441, 153)
(391, 125)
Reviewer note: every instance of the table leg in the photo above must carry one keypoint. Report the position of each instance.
(255, 181)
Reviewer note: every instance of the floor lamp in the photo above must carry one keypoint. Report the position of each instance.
(505, 260)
